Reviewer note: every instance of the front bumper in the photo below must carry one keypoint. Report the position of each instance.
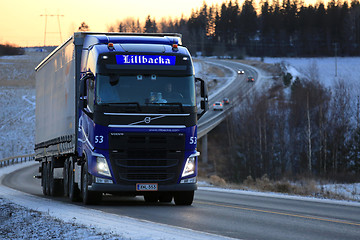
(117, 188)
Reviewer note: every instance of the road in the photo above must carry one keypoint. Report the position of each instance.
(236, 89)
(242, 216)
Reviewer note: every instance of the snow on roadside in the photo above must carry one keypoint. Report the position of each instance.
(349, 191)
(17, 222)
(281, 195)
(41, 218)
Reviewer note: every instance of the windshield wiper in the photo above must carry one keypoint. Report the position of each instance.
(169, 104)
(126, 104)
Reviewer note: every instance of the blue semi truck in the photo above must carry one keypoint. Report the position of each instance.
(116, 113)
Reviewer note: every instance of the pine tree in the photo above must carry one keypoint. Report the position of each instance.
(150, 25)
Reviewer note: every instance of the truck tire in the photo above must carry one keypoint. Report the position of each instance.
(44, 179)
(184, 198)
(55, 185)
(66, 177)
(74, 192)
(88, 197)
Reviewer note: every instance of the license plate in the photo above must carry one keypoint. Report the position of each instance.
(146, 187)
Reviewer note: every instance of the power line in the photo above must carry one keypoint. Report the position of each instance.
(58, 20)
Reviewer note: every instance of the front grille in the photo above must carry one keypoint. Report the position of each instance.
(144, 157)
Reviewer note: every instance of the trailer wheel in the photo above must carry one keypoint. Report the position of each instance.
(74, 192)
(55, 185)
(184, 198)
(44, 179)
(88, 197)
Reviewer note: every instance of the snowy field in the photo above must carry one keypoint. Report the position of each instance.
(17, 121)
(329, 70)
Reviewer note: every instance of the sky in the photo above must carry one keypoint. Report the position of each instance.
(21, 22)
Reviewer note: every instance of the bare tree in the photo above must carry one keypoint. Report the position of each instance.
(339, 122)
(308, 134)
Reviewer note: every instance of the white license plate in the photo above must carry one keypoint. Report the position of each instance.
(146, 187)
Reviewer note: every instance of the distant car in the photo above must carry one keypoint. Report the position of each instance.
(218, 106)
(251, 79)
(226, 101)
(241, 71)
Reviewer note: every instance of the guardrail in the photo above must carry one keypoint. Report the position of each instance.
(17, 159)
(209, 124)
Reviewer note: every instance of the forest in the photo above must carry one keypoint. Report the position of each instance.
(295, 129)
(268, 28)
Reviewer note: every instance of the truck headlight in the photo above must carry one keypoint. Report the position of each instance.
(102, 166)
(190, 165)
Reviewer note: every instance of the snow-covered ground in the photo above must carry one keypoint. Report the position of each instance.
(329, 70)
(17, 121)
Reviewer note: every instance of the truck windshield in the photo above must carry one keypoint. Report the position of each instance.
(145, 89)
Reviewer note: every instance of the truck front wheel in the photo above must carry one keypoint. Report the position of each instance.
(88, 197)
(74, 192)
(184, 198)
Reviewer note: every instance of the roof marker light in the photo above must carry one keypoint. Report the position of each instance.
(110, 46)
(175, 47)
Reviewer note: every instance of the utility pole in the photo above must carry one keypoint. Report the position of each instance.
(58, 20)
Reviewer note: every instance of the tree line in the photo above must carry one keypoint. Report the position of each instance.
(275, 28)
(8, 49)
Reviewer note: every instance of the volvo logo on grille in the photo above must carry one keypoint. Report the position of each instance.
(147, 120)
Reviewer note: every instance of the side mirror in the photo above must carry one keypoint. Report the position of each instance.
(204, 104)
(203, 88)
(83, 89)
